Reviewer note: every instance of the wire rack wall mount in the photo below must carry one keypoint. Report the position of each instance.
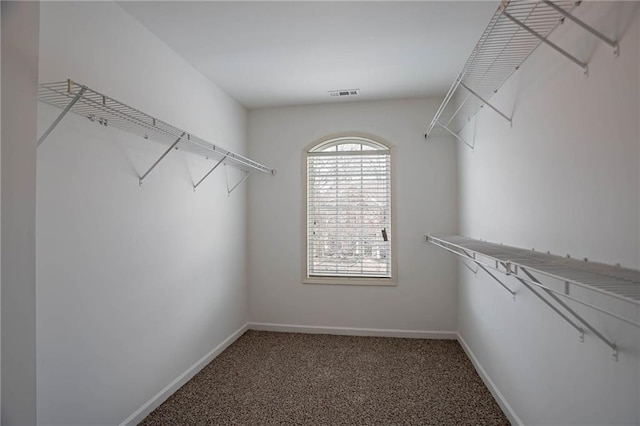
(515, 30)
(103, 110)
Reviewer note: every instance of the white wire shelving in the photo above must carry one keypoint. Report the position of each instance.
(515, 30)
(530, 268)
(101, 109)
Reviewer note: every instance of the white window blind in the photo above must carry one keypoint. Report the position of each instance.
(349, 210)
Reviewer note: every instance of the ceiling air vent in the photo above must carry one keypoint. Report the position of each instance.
(347, 92)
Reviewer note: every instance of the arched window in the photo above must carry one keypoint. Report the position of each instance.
(349, 229)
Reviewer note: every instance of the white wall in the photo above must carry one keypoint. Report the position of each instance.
(19, 114)
(425, 184)
(1, 222)
(134, 284)
(565, 178)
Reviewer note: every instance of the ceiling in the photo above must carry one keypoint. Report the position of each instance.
(269, 53)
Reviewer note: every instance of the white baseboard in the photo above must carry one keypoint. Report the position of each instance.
(352, 331)
(165, 393)
(499, 397)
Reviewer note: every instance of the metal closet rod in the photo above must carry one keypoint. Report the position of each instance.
(80, 99)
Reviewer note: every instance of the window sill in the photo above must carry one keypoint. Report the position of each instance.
(384, 282)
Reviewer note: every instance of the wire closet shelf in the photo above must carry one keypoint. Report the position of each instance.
(515, 30)
(615, 281)
(101, 109)
(529, 267)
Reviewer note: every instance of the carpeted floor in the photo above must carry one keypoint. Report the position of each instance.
(313, 379)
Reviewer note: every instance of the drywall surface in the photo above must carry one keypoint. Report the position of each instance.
(565, 178)
(1, 223)
(134, 284)
(19, 115)
(425, 184)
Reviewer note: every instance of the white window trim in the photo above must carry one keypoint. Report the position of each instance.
(358, 281)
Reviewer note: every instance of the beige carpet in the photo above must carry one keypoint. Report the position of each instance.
(312, 379)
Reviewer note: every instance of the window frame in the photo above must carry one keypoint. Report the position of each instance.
(356, 280)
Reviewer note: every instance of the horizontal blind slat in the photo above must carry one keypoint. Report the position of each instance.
(348, 206)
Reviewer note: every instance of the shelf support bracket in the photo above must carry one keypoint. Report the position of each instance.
(584, 25)
(173, 145)
(229, 191)
(466, 255)
(62, 114)
(484, 268)
(210, 171)
(443, 105)
(604, 311)
(484, 101)
(559, 49)
(475, 271)
(513, 293)
(454, 134)
(556, 310)
(606, 341)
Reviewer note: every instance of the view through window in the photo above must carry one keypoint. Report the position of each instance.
(349, 209)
